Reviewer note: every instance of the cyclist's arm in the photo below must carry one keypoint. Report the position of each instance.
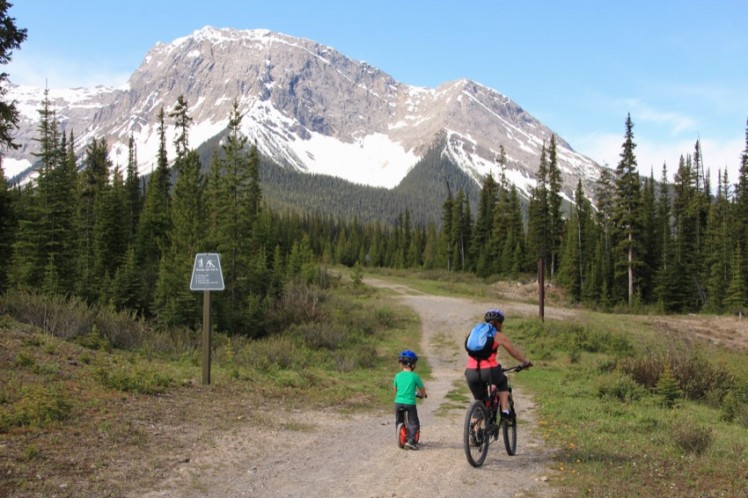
(504, 341)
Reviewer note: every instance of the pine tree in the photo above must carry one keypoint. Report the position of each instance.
(685, 240)
(155, 221)
(238, 209)
(555, 214)
(110, 234)
(7, 228)
(133, 191)
(576, 243)
(538, 221)
(741, 210)
(174, 302)
(42, 226)
(94, 180)
(736, 299)
(11, 38)
(602, 267)
(718, 247)
(447, 246)
(626, 216)
(482, 230)
(649, 255)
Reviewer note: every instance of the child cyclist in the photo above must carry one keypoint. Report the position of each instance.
(407, 384)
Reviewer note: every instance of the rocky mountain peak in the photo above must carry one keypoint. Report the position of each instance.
(308, 107)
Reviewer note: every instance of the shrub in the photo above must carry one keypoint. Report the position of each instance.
(573, 337)
(320, 336)
(620, 386)
(62, 317)
(122, 329)
(143, 381)
(360, 358)
(271, 353)
(37, 407)
(667, 387)
(730, 407)
(385, 317)
(689, 436)
(695, 376)
(298, 304)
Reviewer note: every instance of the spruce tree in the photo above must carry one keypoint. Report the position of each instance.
(538, 220)
(7, 228)
(555, 214)
(133, 191)
(718, 246)
(94, 181)
(42, 227)
(482, 229)
(111, 237)
(174, 302)
(602, 267)
(155, 221)
(11, 37)
(626, 215)
(741, 211)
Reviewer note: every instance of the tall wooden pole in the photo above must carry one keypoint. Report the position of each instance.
(541, 289)
(206, 337)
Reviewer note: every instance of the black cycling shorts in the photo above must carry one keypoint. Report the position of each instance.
(478, 378)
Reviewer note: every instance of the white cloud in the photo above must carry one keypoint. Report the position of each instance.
(652, 154)
(62, 73)
(676, 123)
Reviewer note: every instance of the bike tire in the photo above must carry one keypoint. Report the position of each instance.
(475, 438)
(509, 430)
(402, 434)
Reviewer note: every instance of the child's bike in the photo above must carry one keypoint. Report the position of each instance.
(482, 425)
(401, 426)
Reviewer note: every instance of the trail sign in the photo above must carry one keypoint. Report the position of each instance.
(206, 272)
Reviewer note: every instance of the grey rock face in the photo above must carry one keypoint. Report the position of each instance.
(306, 106)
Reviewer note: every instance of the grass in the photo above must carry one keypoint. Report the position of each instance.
(622, 423)
(618, 437)
(69, 387)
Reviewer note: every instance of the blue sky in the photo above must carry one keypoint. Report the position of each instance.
(679, 67)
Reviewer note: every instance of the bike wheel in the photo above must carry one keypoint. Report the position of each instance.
(475, 437)
(402, 434)
(509, 429)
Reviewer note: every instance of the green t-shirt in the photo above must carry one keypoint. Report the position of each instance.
(406, 382)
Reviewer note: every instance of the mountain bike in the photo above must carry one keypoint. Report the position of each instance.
(401, 426)
(482, 425)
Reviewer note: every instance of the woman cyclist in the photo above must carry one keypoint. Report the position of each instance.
(478, 373)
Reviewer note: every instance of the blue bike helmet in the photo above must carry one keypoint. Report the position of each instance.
(494, 314)
(408, 357)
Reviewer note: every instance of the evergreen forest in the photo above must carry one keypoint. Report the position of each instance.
(92, 230)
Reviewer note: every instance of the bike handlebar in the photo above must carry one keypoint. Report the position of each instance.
(517, 368)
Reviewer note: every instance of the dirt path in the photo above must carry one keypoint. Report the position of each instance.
(328, 455)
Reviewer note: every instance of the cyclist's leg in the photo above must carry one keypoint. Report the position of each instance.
(475, 383)
(414, 425)
(502, 384)
(399, 415)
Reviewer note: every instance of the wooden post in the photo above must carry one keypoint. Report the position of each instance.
(206, 337)
(541, 289)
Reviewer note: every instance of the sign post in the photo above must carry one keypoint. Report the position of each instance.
(206, 277)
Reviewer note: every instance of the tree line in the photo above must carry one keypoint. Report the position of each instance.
(675, 246)
(91, 229)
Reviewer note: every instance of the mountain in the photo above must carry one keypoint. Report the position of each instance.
(309, 109)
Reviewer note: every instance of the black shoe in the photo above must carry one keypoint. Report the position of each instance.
(411, 445)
